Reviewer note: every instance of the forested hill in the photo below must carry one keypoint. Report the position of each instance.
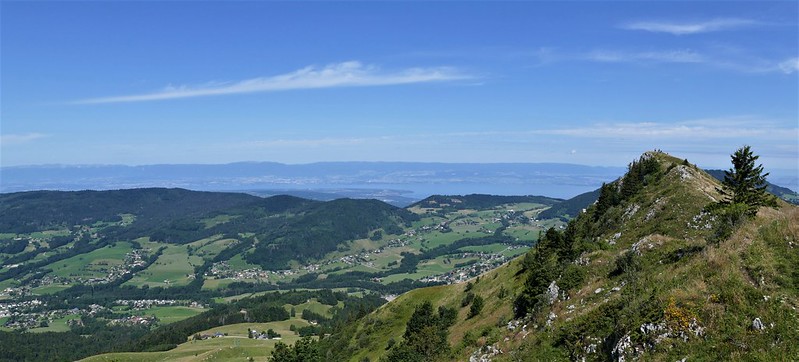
(318, 229)
(24, 212)
(272, 231)
(570, 208)
(480, 201)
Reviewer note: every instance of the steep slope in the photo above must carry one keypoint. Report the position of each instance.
(641, 274)
(570, 208)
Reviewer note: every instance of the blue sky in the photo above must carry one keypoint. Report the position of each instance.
(594, 83)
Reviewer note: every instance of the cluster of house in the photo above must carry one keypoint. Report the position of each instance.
(135, 258)
(31, 314)
(138, 304)
(222, 270)
(134, 321)
(21, 315)
(270, 334)
(15, 292)
(10, 308)
(200, 337)
(355, 259)
(488, 261)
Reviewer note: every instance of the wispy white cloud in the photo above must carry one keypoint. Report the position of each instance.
(16, 139)
(669, 56)
(697, 129)
(789, 66)
(731, 61)
(311, 142)
(685, 28)
(346, 74)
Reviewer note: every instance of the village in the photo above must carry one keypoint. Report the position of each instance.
(31, 314)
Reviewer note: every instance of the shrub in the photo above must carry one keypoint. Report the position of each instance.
(477, 306)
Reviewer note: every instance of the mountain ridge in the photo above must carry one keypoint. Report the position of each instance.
(645, 279)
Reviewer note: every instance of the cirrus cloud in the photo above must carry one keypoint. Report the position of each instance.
(722, 128)
(16, 139)
(686, 28)
(790, 66)
(346, 74)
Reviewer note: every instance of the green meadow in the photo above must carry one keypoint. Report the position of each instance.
(235, 346)
(95, 264)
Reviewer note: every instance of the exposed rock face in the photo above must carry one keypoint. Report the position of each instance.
(757, 325)
(623, 348)
(686, 173)
(553, 291)
(485, 354)
(551, 318)
(630, 211)
(612, 240)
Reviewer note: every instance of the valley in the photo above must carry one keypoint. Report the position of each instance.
(190, 264)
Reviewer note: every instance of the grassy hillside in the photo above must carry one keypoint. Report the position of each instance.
(232, 346)
(570, 208)
(646, 278)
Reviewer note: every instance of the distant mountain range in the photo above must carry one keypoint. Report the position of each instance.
(399, 183)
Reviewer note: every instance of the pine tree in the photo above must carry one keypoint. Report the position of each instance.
(745, 183)
(425, 337)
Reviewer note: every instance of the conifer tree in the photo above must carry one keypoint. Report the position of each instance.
(745, 183)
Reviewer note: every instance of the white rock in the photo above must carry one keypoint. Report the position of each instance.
(758, 324)
(552, 292)
(622, 348)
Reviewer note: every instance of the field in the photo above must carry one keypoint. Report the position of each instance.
(49, 289)
(235, 346)
(167, 314)
(95, 264)
(172, 268)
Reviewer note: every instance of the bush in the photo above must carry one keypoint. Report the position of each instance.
(573, 276)
(467, 299)
(626, 263)
(477, 306)
(728, 217)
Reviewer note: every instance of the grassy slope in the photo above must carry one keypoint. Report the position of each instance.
(233, 347)
(723, 287)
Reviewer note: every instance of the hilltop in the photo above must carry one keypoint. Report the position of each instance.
(643, 273)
